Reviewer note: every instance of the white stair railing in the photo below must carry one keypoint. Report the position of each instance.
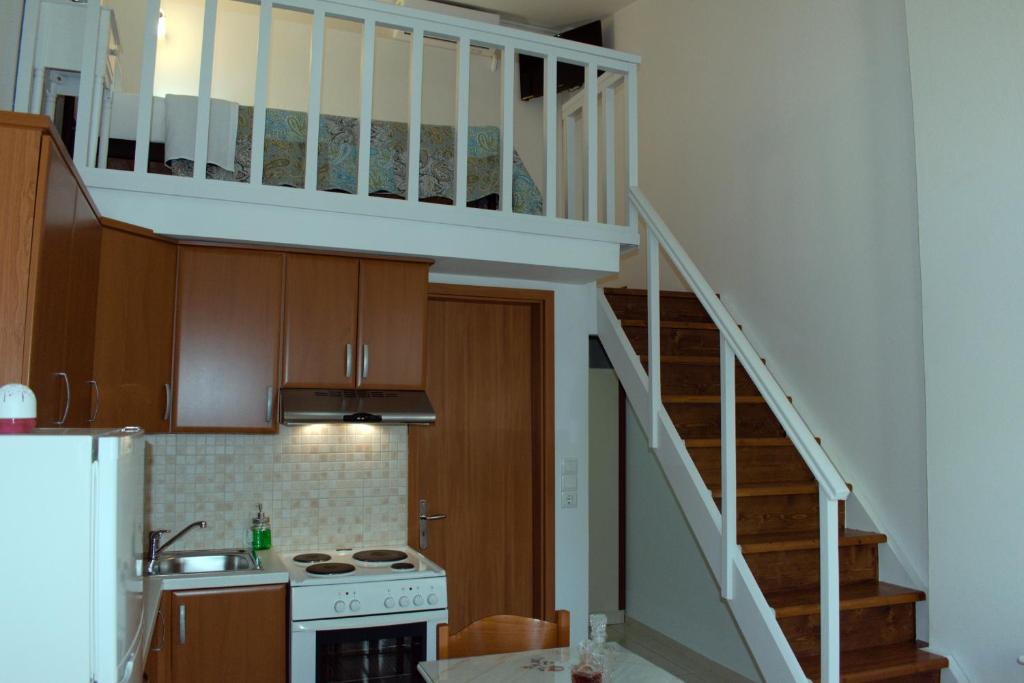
(735, 346)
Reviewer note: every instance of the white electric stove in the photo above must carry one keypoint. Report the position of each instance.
(364, 614)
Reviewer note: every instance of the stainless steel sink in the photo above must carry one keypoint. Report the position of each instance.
(206, 561)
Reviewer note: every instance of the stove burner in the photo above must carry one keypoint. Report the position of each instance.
(306, 558)
(382, 556)
(403, 566)
(328, 568)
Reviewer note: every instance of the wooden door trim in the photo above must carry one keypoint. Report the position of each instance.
(543, 304)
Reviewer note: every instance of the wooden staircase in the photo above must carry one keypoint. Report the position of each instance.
(777, 505)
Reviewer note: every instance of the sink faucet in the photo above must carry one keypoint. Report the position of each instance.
(155, 549)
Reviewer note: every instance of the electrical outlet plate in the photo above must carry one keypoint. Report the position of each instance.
(569, 499)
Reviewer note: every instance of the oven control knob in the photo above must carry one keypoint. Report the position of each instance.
(354, 605)
(389, 602)
(403, 601)
(339, 606)
(431, 599)
(418, 600)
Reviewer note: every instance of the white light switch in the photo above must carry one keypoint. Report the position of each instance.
(570, 466)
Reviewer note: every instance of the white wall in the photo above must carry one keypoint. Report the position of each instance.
(10, 33)
(776, 139)
(967, 69)
(603, 469)
(669, 586)
(574, 323)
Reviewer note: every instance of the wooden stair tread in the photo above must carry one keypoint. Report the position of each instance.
(804, 540)
(630, 322)
(789, 488)
(880, 663)
(768, 442)
(643, 292)
(706, 398)
(793, 603)
(684, 360)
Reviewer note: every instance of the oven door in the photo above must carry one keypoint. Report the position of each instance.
(382, 648)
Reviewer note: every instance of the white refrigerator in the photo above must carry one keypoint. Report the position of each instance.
(71, 526)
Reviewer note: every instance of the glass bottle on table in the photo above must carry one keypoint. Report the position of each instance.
(592, 667)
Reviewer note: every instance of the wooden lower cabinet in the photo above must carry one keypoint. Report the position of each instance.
(221, 634)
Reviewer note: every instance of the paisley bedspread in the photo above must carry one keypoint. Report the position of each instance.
(338, 154)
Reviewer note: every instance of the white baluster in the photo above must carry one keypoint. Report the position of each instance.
(87, 111)
(609, 156)
(205, 87)
(366, 105)
(728, 397)
(829, 523)
(508, 101)
(415, 113)
(143, 126)
(462, 124)
(570, 167)
(654, 332)
(316, 79)
(633, 141)
(551, 135)
(592, 138)
(259, 108)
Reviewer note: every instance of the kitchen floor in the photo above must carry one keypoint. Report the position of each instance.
(671, 656)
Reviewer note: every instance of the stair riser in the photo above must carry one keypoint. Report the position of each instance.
(858, 628)
(795, 569)
(754, 465)
(704, 420)
(676, 342)
(928, 677)
(675, 309)
(780, 514)
(701, 380)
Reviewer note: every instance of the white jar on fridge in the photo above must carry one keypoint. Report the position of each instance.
(72, 539)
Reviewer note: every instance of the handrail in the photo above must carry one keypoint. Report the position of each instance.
(824, 471)
(735, 346)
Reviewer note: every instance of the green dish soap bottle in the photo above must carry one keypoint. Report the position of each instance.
(261, 529)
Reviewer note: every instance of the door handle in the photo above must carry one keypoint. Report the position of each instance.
(96, 395)
(270, 405)
(425, 520)
(167, 402)
(348, 360)
(181, 624)
(366, 360)
(67, 398)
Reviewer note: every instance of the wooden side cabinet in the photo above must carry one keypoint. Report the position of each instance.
(220, 634)
(392, 324)
(228, 339)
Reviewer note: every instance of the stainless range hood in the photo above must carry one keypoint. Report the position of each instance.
(317, 406)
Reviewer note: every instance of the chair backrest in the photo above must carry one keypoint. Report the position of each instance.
(503, 633)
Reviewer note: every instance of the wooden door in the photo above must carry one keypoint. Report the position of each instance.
(487, 462)
(135, 330)
(228, 339)
(321, 299)
(392, 321)
(55, 224)
(229, 634)
(81, 312)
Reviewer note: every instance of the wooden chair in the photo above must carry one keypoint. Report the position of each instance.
(503, 633)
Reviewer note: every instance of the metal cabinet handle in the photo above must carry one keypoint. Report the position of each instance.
(181, 624)
(270, 405)
(96, 395)
(67, 398)
(366, 360)
(160, 630)
(348, 360)
(167, 402)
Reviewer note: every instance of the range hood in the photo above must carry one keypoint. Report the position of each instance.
(317, 406)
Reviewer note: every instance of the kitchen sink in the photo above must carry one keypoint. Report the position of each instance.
(206, 561)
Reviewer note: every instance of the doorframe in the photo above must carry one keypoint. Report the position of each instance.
(542, 303)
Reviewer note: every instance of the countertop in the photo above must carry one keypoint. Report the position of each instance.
(273, 571)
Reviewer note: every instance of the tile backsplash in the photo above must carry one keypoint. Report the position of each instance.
(322, 485)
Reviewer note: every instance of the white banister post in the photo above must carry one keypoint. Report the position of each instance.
(366, 105)
(259, 107)
(86, 124)
(828, 511)
(592, 141)
(632, 142)
(412, 192)
(316, 80)
(508, 102)
(205, 88)
(143, 126)
(462, 124)
(26, 84)
(570, 167)
(105, 113)
(551, 135)
(654, 332)
(728, 398)
(609, 155)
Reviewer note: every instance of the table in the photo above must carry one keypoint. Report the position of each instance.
(541, 666)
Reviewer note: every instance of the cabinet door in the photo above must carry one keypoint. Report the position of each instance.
(229, 634)
(158, 659)
(81, 313)
(392, 324)
(228, 339)
(55, 224)
(321, 298)
(135, 331)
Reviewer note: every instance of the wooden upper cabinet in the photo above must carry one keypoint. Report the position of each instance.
(135, 331)
(321, 301)
(81, 313)
(392, 324)
(228, 339)
(229, 634)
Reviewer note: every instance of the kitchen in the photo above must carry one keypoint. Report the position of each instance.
(226, 398)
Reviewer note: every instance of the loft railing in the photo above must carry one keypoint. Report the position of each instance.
(93, 115)
(735, 346)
